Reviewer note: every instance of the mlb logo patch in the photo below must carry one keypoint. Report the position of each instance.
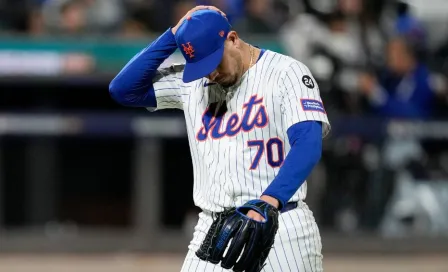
(312, 105)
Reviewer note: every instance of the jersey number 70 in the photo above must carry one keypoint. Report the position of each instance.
(274, 151)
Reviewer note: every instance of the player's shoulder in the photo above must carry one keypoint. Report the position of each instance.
(284, 64)
(292, 72)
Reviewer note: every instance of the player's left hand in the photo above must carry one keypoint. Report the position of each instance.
(239, 242)
(258, 217)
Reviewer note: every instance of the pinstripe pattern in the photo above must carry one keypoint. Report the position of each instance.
(222, 166)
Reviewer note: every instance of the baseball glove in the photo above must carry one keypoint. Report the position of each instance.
(247, 241)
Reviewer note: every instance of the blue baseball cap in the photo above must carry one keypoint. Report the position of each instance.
(201, 38)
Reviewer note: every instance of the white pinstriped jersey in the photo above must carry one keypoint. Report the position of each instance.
(238, 139)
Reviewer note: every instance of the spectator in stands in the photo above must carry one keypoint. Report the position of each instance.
(73, 17)
(336, 46)
(403, 89)
(70, 17)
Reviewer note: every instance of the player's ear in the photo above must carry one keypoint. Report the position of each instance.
(233, 38)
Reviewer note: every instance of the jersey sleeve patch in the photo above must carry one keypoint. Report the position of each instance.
(308, 81)
(312, 105)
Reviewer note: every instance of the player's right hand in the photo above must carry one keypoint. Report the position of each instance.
(174, 29)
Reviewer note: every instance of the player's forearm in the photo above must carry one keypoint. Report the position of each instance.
(306, 150)
(133, 84)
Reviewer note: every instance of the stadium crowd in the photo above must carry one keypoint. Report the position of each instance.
(387, 57)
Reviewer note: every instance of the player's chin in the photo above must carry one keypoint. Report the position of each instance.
(227, 84)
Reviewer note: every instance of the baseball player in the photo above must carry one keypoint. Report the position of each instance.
(255, 123)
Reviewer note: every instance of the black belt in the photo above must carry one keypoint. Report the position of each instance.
(289, 206)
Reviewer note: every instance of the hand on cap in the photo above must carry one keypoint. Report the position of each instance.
(174, 29)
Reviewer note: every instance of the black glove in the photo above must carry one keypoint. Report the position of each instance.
(252, 240)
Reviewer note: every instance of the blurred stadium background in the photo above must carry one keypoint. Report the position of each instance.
(87, 185)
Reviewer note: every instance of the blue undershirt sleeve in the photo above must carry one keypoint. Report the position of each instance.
(305, 139)
(133, 85)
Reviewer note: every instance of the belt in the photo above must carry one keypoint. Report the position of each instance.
(289, 206)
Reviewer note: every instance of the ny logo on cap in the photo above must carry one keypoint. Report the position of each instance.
(188, 49)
